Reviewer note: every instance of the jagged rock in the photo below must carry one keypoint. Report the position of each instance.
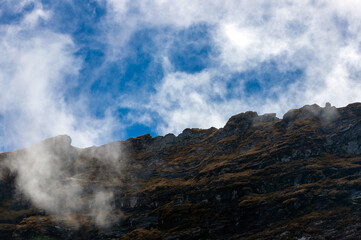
(268, 117)
(259, 177)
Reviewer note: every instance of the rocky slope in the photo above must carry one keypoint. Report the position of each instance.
(259, 177)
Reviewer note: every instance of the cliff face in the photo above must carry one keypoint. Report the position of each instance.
(259, 177)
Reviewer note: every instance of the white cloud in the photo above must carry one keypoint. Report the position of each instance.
(322, 38)
(183, 100)
(36, 66)
(243, 47)
(32, 19)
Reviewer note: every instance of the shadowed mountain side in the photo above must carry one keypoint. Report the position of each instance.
(259, 177)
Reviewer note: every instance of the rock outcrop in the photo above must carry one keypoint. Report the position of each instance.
(259, 177)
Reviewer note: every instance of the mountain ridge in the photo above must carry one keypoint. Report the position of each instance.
(258, 177)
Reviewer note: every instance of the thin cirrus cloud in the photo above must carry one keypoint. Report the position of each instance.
(167, 65)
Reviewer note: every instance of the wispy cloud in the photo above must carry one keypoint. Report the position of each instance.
(318, 38)
(37, 68)
(218, 57)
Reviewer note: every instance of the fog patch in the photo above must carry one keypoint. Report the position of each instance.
(102, 208)
(329, 113)
(66, 181)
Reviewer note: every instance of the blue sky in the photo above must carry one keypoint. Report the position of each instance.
(107, 70)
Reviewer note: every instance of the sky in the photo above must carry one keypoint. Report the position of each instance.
(107, 70)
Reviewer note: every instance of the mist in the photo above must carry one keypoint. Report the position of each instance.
(61, 180)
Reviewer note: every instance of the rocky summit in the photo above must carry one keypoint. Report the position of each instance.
(259, 177)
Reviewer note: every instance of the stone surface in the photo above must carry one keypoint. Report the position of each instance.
(259, 177)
